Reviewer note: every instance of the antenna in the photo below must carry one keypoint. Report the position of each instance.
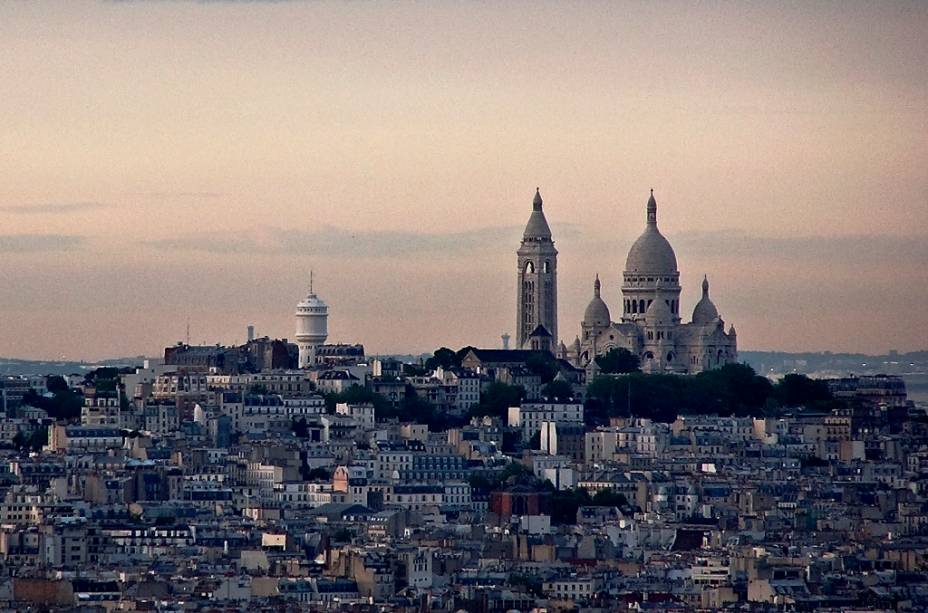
(310, 280)
(188, 330)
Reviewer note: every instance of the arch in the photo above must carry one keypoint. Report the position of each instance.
(670, 356)
(547, 266)
(530, 267)
(641, 306)
(648, 355)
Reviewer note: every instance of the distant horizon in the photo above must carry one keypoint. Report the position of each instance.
(423, 353)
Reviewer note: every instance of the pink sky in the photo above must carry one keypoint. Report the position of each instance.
(164, 160)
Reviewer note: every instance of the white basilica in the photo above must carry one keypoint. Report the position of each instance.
(650, 325)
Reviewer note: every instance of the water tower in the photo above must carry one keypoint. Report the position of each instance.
(312, 326)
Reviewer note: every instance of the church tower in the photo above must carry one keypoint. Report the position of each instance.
(537, 273)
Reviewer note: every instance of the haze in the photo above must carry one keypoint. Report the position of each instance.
(169, 161)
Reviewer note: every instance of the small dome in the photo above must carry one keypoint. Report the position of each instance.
(597, 313)
(705, 311)
(311, 301)
(658, 313)
(537, 226)
(651, 253)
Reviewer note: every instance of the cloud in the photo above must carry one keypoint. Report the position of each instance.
(847, 249)
(169, 194)
(53, 208)
(34, 243)
(205, 1)
(339, 242)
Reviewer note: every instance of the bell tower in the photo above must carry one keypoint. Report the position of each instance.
(537, 279)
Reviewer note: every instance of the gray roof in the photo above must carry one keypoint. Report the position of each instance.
(537, 226)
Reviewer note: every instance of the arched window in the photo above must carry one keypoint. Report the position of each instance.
(529, 267)
(547, 266)
(670, 356)
(641, 306)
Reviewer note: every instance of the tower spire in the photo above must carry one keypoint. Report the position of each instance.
(652, 209)
(705, 286)
(310, 280)
(537, 202)
(596, 286)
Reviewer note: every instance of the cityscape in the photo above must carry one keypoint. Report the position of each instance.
(585, 431)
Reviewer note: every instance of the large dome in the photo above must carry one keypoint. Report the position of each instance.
(651, 253)
(597, 313)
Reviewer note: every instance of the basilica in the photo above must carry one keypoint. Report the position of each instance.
(650, 325)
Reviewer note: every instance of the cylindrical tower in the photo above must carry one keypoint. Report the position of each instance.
(312, 327)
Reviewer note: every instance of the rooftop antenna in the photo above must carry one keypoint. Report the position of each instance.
(310, 280)
(188, 330)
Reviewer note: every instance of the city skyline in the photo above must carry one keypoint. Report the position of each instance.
(181, 160)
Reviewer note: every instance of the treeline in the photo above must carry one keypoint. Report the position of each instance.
(65, 403)
(732, 390)
(411, 408)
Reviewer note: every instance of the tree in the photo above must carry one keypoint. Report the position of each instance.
(558, 391)
(535, 441)
(618, 360)
(300, 428)
(257, 389)
(64, 404)
(800, 391)
(317, 474)
(411, 370)
(497, 398)
(543, 364)
(608, 498)
(56, 384)
(444, 358)
(357, 394)
(564, 505)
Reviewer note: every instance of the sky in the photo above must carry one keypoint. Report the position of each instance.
(174, 161)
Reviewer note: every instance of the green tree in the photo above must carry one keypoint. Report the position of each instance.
(357, 394)
(608, 498)
(564, 505)
(535, 441)
(543, 364)
(795, 390)
(56, 384)
(317, 474)
(412, 370)
(300, 428)
(443, 357)
(558, 391)
(257, 389)
(497, 398)
(618, 360)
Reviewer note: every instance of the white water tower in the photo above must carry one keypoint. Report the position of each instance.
(312, 327)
